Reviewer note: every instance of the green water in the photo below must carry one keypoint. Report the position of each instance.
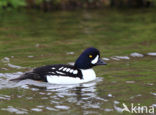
(31, 39)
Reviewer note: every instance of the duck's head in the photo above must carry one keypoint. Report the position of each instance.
(89, 58)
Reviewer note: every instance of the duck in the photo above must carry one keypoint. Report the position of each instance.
(81, 72)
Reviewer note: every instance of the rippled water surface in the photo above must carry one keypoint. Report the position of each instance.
(32, 96)
(126, 40)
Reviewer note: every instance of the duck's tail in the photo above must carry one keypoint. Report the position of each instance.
(27, 75)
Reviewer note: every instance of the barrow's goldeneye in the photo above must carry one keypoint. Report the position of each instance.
(80, 72)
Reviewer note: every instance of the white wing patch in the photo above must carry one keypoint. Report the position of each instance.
(64, 69)
(71, 70)
(68, 70)
(95, 60)
(52, 72)
(52, 68)
(75, 72)
(60, 68)
(59, 72)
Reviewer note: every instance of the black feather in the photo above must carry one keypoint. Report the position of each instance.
(40, 73)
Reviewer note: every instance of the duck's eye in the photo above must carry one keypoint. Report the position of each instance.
(90, 56)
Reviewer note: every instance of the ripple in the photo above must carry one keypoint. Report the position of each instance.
(153, 94)
(116, 102)
(151, 53)
(154, 105)
(34, 89)
(110, 95)
(30, 56)
(29, 98)
(4, 79)
(5, 60)
(118, 109)
(108, 110)
(150, 84)
(15, 66)
(15, 110)
(51, 109)
(130, 81)
(106, 59)
(40, 106)
(4, 97)
(62, 107)
(71, 63)
(57, 96)
(36, 109)
(120, 57)
(91, 112)
(138, 95)
(70, 53)
(91, 105)
(135, 54)
(11, 75)
(44, 98)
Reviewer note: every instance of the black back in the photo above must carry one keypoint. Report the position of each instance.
(42, 72)
(57, 70)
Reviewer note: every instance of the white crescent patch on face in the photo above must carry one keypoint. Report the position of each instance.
(95, 60)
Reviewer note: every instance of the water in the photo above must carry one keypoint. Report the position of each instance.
(48, 97)
(31, 39)
(88, 98)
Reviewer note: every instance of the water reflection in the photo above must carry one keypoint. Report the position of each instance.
(88, 98)
(83, 97)
(15, 110)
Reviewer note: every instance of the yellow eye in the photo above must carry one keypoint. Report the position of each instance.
(90, 56)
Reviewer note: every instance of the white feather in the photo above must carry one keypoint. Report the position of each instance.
(88, 75)
(59, 72)
(51, 72)
(95, 60)
(60, 68)
(68, 70)
(75, 72)
(64, 69)
(71, 70)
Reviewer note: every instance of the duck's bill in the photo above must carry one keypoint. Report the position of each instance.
(101, 62)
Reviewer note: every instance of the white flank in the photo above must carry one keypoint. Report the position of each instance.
(88, 75)
(94, 61)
